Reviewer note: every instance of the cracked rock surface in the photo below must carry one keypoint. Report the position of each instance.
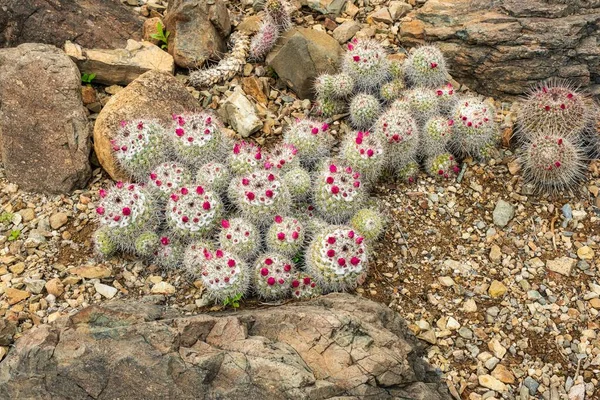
(337, 345)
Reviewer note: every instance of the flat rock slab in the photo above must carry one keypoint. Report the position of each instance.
(120, 66)
(337, 345)
(44, 129)
(154, 95)
(90, 23)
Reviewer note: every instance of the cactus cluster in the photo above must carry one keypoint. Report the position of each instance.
(554, 122)
(245, 157)
(366, 62)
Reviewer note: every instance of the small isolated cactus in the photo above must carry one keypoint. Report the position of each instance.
(369, 223)
(298, 182)
(311, 138)
(329, 106)
(169, 252)
(282, 157)
(138, 146)
(193, 212)
(286, 235)
(392, 90)
(245, 157)
(555, 107)
(474, 127)
(338, 192)
(366, 62)
(104, 243)
(364, 110)
(146, 243)
(338, 86)
(426, 67)
(435, 135)
(264, 40)
(214, 175)
(365, 152)
(400, 134)
(552, 162)
(197, 138)
(224, 274)
(167, 177)
(423, 103)
(304, 287)
(273, 275)
(409, 172)
(260, 195)
(441, 165)
(127, 210)
(447, 98)
(337, 258)
(240, 237)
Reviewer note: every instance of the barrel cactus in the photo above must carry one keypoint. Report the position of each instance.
(193, 212)
(260, 195)
(364, 110)
(338, 191)
(273, 274)
(304, 287)
(311, 138)
(286, 235)
(366, 62)
(365, 152)
(239, 236)
(138, 146)
(426, 67)
(167, 177)
(245, 157)
(337, 258)
(197, 138)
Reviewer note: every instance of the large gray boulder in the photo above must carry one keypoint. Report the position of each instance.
(44, 129)
(501, 50)
(337, 345)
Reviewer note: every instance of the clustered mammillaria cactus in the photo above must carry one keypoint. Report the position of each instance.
(240, 237)
(310, 138)
(282, 157)
(169, 252)
(554, 125)
(366, 63)
(339, 191)
(473, 122)
(215, 175)
(286, 235)
(304, 287)
(365, 153)
(426, 67)
(364, 110)
(273, 274)
(168, 177)
(298, 182)
(193, 212)
(245, 157)
(197, 137)
(368, 223)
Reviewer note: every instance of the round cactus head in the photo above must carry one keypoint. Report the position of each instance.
(424, 103)
(325, 86)
(193, 212)
(245, 157)
(239, 236)
(167, 177)
(329, 106)
(286, 235)
(337, 258)
(273, 274)
(260, 195)
(197, 137)
(214, 175)
(146, 244)
(138, 146)
(309, 216)
(304, 287)
(364, 110)
(365, 152)
(392, 90)
(473, 125)
(338, 191)
(447, 98)
(397, 70)
(552, 163)
(311, 138)
(555, 107)
(127, 209)
(436, 135)
(298, 182)
(104, 244)
(369, 223)
(409, 172)
(223, 274)
(366, 62)
(282, 157)
(400, 134)
(264, 40)
(169, 252)
(426, 67)
(442, 166)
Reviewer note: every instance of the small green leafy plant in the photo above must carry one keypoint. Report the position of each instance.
(233, 301)
(161, 35)
(87, 78)
(14, 235)
(6, 217)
